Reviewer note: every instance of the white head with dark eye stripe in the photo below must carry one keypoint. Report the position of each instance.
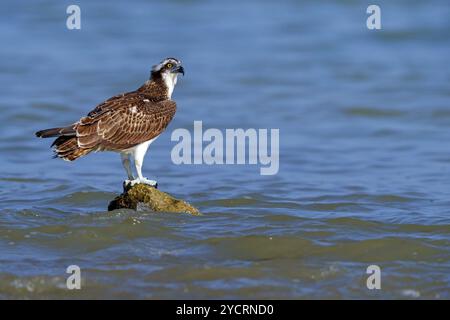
(168, 70)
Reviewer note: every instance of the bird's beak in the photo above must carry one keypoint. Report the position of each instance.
(178, 69)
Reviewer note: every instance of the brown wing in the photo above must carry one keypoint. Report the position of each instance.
(124, 121)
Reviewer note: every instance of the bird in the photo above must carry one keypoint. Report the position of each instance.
(126, 123)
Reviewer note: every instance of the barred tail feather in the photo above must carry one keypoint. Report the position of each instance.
(56, 132)
(66, 147)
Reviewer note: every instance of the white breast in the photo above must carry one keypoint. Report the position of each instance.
(170, 79)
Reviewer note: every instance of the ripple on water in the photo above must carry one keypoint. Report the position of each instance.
(372, 112)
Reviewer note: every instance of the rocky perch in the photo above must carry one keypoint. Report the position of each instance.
(143, 196)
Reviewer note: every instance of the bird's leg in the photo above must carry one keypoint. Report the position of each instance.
(138, 161)
(126, 164)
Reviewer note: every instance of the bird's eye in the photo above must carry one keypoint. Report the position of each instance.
(169, 65)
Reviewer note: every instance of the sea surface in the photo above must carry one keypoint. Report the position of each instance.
(364, 177)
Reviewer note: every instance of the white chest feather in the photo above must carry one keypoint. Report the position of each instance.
(170, 79)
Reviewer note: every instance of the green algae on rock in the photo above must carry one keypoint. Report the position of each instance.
(148, 197)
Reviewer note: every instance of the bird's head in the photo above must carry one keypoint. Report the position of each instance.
(168, 70)
(169, 66)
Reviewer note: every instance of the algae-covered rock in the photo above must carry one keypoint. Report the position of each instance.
(145, 196)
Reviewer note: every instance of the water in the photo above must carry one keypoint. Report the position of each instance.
(364, 161)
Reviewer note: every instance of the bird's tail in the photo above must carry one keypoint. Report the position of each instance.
(65, 145)
(56, 132)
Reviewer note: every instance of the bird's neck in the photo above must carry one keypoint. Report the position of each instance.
(159, 87)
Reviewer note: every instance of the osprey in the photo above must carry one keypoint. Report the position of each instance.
(127, 123)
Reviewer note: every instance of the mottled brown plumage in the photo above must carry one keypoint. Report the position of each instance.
(119, 123)
(123, 122)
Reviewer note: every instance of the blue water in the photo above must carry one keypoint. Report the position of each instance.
(364, 175)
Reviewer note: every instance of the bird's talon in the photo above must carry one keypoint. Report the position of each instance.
(146, 181)
(149, 182)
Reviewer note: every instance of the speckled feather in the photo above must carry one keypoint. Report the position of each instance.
(119, 123)
(123, 122)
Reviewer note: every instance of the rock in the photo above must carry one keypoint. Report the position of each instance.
(145, 196)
